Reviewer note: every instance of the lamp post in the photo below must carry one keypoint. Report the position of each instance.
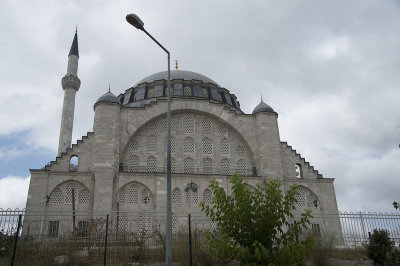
(135, 21)
(395, 205)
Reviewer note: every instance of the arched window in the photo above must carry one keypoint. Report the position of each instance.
(173, 144)
(71, 192)
(207, 166)
(299, 172)
(207, 146)
(151, 164)
(187, 91)
(176, 197)
(204, 93)
(145, 197)
(188, 145)
(84, 196)
(152, 127)
(188, 124)
(133, 163)
(223, 130)
(150, 93)
(192, 198)
(134, 146)
(152, 143)
(206, 126)
(188, 166)
(241, 150)
(73, 163)
(225, 167)
(306, 199)
(241, 167)
(144, 223)
(56, 196)
(225, 147)
(133, 194)
(121, 196)
(207, 195)
(173, 164)
(165, 125)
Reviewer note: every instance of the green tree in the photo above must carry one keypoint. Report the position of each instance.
(254, 228)
(379, 246)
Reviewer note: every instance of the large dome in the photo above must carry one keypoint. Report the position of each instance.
(177, 74)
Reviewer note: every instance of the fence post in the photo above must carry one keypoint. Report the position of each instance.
(105, 242)
(16, 239)
(190, 241)
(362, 226)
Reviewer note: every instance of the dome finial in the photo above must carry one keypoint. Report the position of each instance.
(76, 29)
(109, 87)
(261, 99)
(176, 64)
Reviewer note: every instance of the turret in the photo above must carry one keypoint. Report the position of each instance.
(70, 83)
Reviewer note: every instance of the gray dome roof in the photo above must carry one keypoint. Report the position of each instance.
(177, 74)
(263, 107)
(108, 97)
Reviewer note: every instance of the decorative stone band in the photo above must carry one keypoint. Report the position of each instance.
(71, 82)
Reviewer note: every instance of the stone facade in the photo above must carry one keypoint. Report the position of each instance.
(120, 167)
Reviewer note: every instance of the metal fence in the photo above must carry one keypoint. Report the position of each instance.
(126, 238)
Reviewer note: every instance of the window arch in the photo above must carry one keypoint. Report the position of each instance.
(306, 199)
(151, 164)
(56, 196)
(188, 166)
(207, 166)
(241, 167)
(188, 145)
(152, 143)
(299, 172)
(133, 163)
(73, 163)
(207, 196)
(225, 147)
(225, 167)
(207, 146)
(188, 124)
(176, 197)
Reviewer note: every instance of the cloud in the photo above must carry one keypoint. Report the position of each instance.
(13, 192)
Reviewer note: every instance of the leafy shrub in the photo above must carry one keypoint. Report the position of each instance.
(379, 246)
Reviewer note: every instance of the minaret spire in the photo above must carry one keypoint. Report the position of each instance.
(70, 83)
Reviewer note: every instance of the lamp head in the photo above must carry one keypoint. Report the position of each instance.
(396, 205)
(135, 21)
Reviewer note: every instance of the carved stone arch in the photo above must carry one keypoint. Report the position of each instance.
(61, 195)
(135, 195)
(307, 199)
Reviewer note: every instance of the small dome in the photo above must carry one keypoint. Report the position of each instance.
(108, 97)
(263, 107)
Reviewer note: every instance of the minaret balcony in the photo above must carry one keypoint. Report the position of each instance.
(71, 82)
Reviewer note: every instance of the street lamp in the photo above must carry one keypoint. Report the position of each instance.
(135, 21)
(395, 205)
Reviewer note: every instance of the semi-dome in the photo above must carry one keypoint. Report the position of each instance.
(108, 97)
(177, 74)
(263, 107)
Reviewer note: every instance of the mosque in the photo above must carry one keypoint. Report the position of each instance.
(120, 167)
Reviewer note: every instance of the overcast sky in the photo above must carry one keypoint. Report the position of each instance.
(330, 69)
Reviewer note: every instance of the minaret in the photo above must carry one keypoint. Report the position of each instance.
(70, 83)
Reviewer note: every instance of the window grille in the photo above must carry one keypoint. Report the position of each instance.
(68, 193)
(173, 165)
(134, 194)
(165, 125)
(312, 201)
(225, 167)
(176, 197)
(213, 226)
(133, 163)
(134, 146)
(241, 167)
(152, 144)
(121, 196)
(144, 223)
(225, 147)
(53, 228)
(301, 198)
(151, 164)
(207, 146)
(188, 145)
(145, 197)
(150, 93)
(207, 195)
(206, 126)
(152, 127)
(207, 166)
(175, 224)
(188, 124)
(192, 198)
(241, 150)
(316, 231)
(56, 196)
(204, 93)
(187, 91)
(84, 196)
(188, 166)
(122, 219)
(223, 130)
(171, 90)
(82, 229)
